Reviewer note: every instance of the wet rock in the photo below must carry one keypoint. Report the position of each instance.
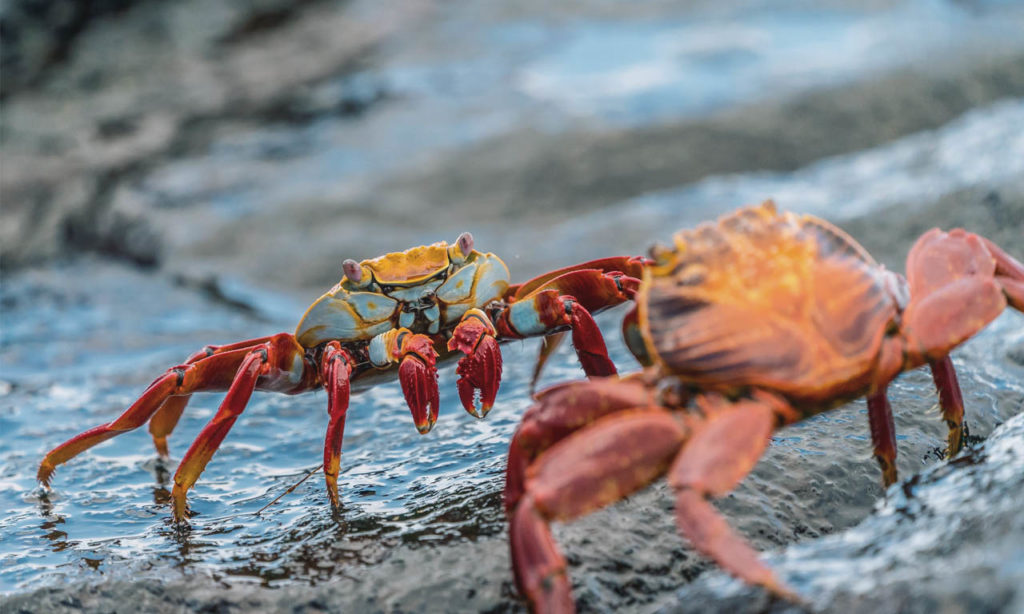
(422, 528)
(39, 35)
(146, 82)
(950, 539)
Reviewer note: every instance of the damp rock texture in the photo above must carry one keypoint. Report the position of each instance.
(946, 540)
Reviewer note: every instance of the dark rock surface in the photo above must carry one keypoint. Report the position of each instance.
(946, 540)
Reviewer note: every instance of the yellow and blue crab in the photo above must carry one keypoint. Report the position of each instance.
(403, 309)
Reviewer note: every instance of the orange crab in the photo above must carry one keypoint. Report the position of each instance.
(404, 310)
(748, 324)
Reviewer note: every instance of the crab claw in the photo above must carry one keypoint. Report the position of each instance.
(480, 368)
(418, 376)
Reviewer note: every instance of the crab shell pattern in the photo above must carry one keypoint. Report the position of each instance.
(757, 321)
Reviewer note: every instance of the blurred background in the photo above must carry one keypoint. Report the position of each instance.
(175, 174)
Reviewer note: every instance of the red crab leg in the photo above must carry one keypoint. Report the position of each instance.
(883, 434)
(953, 293)
(1009, 274)
(632, 266)
(567, 298)
(548, 345)
(480, 368)
(336, 369)
(214, 372)
(164, 421)
(594, 289)
(547, 312)
(166, 418)
(719, 454)
(951, 401)
(210, 438)
(276, 365)
(634, 338)
(959, 282)
(558, 412)
(589, 469)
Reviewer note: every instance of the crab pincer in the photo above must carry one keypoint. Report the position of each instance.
(417, 372)
(480, 368)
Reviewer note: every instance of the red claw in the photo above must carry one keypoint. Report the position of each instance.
(480, 368)
(481, 371)
(418, 376)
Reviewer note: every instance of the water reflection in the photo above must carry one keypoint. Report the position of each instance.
(57, 537)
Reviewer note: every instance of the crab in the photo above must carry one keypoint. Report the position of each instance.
(749, 324)
(399, 312)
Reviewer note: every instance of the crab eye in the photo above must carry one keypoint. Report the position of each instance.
(465, 242)
(660, 254)
(353, 271)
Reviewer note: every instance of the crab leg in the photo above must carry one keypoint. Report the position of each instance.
(214, 372)
(631, 266)
(480, 368)
(277, 364)
(883, 434)
(633, 336)
(548, 345)
(166, 417)
(597, 465)
(719, 454)
(210, 438)
(559, 411)
(336, 369)
(951, 401)
(1009, 274)
(959, 282)
(566, 299)
(164, 421)
(547, 312)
